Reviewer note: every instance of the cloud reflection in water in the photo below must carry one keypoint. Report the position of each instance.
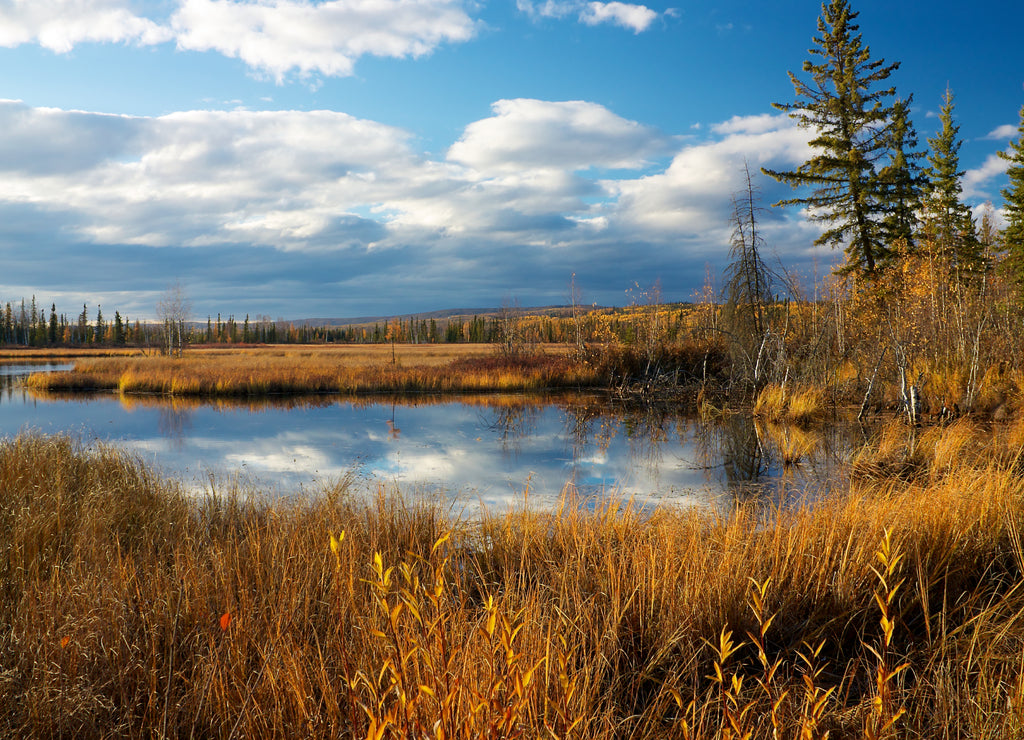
(490, 450)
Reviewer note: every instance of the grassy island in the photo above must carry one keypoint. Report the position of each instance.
(323, 369)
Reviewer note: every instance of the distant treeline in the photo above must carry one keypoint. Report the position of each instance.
(27, 324)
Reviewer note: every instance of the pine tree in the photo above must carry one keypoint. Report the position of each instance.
(1013, 208)
(841, 104)
(948, 222)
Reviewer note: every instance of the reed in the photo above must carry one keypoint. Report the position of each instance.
(801, 405)
(129, 609)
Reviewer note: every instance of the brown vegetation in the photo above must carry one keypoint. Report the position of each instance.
(373, 369)
(131, 610)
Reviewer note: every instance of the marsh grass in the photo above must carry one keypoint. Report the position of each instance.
(802, 405)
(130, 610)
(348, 370)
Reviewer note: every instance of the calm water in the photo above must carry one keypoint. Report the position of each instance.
(490, 450)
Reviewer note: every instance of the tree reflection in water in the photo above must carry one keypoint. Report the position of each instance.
(174, 422)
(486, 443)
(513, 422)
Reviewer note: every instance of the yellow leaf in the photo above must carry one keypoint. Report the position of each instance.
(444, 538)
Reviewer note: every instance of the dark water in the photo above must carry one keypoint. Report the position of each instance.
(490, 450)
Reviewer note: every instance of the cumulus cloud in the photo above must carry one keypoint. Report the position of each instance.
(281, 178)
(975, 180)
(539, 134)
(636, 18)
(694, 192)
(1002, 133)
(283, 199)
(275, 37)
(281, 36)
(59, 25)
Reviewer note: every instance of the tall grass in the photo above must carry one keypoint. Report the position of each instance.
(128, 609)
(334, 370)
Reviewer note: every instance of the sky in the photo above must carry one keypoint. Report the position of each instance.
(332, 158)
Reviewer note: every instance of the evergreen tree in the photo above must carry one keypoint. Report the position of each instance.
(83, 325)
(1013, 209)
(900, 181)
(39, 328)
(948, 222)
(118, 338)
(30, 330)
(52, 329)
(841, 104)
(99, 333)
(22, 324)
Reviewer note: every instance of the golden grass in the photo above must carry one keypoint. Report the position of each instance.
(801, 405)
(47, 353)
(330, 369)
(794, 443)
(130, 610)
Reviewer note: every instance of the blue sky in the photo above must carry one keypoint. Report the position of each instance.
(293, 158)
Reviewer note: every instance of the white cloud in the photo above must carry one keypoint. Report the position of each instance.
(975, 180)
(637, 18)
(276, 37)
(539, 134)
(694, 193)
(282, 36)
(516, 195)
(197, 177)
(59, 25)
(761, 124)
(1003, 133)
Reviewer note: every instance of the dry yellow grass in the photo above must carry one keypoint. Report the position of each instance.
(129, 610)
(47, 353)
(323, 369)
(800, 405)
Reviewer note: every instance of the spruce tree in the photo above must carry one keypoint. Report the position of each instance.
(99, 333)
(948, 222)
(842, 104)
(118, 329)
(1013, 208)
(52, 329)
(900, 181)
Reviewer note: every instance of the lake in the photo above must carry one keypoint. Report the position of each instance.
(489, 450)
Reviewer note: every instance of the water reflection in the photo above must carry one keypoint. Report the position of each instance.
(470, 449)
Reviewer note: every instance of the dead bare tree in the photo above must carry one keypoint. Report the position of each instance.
(511, 335)
(750, 286)
(172, 311)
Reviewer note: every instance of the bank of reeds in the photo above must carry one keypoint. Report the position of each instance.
(129, 610)
(268, 372)
(795, 405)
